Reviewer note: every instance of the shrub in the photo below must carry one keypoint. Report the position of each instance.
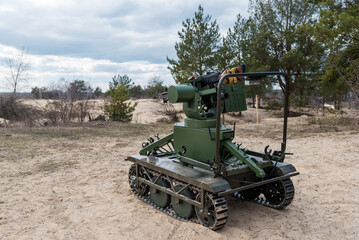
(273, 104)
(170, 111)
(155, 87)
(11, 109)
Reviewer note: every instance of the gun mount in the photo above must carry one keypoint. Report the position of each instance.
(191, 169)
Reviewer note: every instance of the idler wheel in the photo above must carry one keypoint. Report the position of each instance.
(279, 194)
(182, 208)
(160, 198)
(142, 188)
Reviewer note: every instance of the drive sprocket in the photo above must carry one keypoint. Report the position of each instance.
(215, 212)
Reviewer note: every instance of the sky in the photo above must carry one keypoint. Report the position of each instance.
(93, 40)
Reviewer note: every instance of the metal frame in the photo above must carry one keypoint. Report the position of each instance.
(166, 140)
(171, 191)
(257, 184)
(218, 111)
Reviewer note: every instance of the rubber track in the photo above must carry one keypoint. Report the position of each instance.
(219, 203)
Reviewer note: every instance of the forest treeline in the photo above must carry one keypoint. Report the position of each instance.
(315, 42)
(82, 90)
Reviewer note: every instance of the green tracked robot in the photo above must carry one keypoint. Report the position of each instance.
(188, 173)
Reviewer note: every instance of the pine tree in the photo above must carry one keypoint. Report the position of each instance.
(284, 42)
(196, 51)
(338, 30)
(118, 108)
(247, 46)
(226, 56)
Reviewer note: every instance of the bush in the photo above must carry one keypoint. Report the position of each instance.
(273, 104)
(64, 111)
(12, 110)
(155, 87)
(136, 91)
(170, 111)
(334, 123)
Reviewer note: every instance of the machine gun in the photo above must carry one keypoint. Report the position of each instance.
(200, 153)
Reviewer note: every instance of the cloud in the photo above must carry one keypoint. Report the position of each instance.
(98, 38)
(47, 69)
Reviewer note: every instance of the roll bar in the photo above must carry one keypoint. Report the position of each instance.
(218, 109)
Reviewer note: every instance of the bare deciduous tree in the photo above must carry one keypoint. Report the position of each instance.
(17, 70)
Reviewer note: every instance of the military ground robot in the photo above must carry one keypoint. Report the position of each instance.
(189, 172)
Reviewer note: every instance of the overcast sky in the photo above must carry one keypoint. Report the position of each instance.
(95, 39)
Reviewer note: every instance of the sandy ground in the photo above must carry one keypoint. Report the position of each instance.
(74, 186)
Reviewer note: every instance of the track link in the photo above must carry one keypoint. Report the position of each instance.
(221, 209)
(219, 204)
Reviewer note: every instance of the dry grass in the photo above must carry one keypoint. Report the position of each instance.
(20, 143)
(86, 130)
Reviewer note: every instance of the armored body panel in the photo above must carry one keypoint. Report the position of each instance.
(197, 142)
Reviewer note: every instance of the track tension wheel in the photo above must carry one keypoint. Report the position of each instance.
(276, 195)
